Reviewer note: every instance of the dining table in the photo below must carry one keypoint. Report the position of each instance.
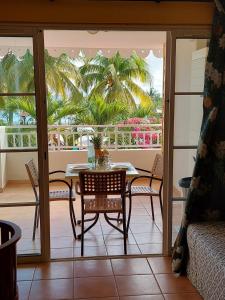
(72, 170)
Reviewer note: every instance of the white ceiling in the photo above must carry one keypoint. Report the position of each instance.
(72, 41)
(105, 39)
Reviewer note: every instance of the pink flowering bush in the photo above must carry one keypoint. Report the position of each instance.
(142, 135)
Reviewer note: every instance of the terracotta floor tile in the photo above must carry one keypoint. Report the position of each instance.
(90, 240)
(139, 228)
(182, 296)
(28, 244)
(25, 272)
(130, 266)
(24, 289)
(95, 287)
(62, 253)
(147, 220)
(148, 238)
(107, 298)
(137, 285)
(54, 270)
(91, 251)
(61, 242)
(117, 239)
(92, 268)
(143, 297)
(160, 264)
(51, 289)
(106, 229)
(139, 212)
(96, 230)
(118, 250)
(169, 283)
(151, 248)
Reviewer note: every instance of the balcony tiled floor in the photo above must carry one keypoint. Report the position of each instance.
(111, 279)
(145, 236)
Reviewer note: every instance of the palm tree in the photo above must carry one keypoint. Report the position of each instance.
(98, 112)
(156, 98)
(63, 81)
(106, 88)
(63, 78)
(116, 78)
(57, 109)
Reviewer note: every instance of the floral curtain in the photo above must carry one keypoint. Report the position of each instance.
(206, 199)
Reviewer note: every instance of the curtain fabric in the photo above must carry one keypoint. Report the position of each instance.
(206, 199)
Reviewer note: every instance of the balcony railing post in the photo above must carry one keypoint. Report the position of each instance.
(128, 136)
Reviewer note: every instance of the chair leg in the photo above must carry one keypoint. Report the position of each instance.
(129, 212)
(111, 224)
(38, 217)
(82, 234)
(88, 228)
(124, 229)
(87, 220)
(118, 219)
(153, 215)
(35, 222)
(160, 201)
(72, 215)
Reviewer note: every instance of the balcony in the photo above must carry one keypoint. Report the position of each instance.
(68, 144)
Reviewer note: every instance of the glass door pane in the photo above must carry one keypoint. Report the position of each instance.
(190, 64)
(189, 71)
(18, 140)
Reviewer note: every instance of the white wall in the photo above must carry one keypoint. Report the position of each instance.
(59, 159)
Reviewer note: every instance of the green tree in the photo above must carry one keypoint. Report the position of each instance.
(116, 78)
(97, 112)
(57, 109)
(156, 98)
(63, 79)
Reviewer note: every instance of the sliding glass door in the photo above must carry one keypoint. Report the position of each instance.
(22, 139)
(187, 67)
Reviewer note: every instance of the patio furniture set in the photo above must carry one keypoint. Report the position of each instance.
(101, 192)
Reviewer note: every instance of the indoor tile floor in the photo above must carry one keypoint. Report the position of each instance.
(109, 279)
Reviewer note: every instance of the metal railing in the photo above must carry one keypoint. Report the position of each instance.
(78, 137)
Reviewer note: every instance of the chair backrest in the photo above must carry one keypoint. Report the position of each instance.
(32, 172)
(157, 168)
(102, 183)
(33, 176)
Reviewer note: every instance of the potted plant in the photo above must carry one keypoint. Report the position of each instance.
(97, 143)
(101, 155)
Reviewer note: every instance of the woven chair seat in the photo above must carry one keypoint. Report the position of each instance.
(143, 190)
(102, 205)
(60, 195)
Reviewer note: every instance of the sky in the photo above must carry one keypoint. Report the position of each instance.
(156, 70)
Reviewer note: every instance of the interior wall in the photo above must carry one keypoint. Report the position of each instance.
(106, 12)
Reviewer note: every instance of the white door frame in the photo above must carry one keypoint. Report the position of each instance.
(193, 33)
(42, 138)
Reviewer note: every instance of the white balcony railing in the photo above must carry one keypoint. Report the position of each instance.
(77, 137)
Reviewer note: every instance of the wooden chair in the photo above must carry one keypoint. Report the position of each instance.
(57, 195)
(156, 175)
(100, 185)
